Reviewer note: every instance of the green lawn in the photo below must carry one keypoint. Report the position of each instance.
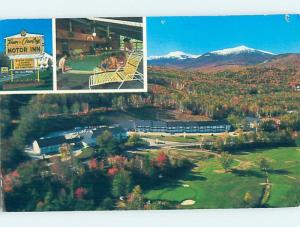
(211, 188)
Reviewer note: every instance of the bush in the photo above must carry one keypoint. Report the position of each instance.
(87, 153)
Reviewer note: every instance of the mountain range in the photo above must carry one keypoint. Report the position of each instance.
(237, 56)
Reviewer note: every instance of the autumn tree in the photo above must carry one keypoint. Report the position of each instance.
(226, 160)
(135, 200)
(65, 151)
(162, 160)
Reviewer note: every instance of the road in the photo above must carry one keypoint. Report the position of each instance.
(178, 145)
(170, 144)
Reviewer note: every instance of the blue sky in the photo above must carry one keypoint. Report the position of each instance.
(198, 35)
(36, 26)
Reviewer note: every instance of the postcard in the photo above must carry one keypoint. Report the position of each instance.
(218, 127)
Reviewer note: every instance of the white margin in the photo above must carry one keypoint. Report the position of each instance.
(54, 74)
(145, 54)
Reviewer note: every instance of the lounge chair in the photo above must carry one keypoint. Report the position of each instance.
(127, 73)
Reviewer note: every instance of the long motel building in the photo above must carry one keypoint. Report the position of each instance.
(173, 127)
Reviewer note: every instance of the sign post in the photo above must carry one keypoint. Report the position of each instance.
(11, 71)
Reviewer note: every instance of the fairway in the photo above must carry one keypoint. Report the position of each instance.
(211, 188)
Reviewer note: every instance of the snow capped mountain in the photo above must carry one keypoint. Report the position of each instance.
(174, 55)
(238, 50)
(240, 55)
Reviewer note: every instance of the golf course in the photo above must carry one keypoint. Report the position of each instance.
(207, 185)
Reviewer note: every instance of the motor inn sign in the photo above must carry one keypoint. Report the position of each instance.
(24, 51)
(24, 45)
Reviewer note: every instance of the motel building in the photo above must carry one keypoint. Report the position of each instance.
(93, 36)
(89, 137)
(173, 127)
(48, 146)
(77, 139)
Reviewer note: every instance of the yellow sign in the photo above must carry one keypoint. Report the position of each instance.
(24, 45)
(24, 63)
(4, 70)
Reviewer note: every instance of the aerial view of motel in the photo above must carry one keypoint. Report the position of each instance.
(218, 127)
(100, 53)
(25, 55)
(87, 137)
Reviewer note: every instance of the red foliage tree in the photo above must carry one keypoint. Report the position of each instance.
(112, 171)
(80, 193)
(93, 164)
(161, 159)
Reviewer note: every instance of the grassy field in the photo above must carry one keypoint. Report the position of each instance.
(212, 188)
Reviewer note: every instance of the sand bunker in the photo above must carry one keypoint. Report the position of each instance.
(219, 171)
(244, 165)
(290, 162)
(188, 202)
(290, 177)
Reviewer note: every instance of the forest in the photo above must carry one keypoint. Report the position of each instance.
(108, 174)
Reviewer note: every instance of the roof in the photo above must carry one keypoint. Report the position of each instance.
(159, 124)
(46, 142)
(127, 125)
(149, 123)
(143, 123)
(52, 141)
(113, 130)
(195, 123)
(119, 21)
(252, 119)
(20, 36)
(129, 27)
